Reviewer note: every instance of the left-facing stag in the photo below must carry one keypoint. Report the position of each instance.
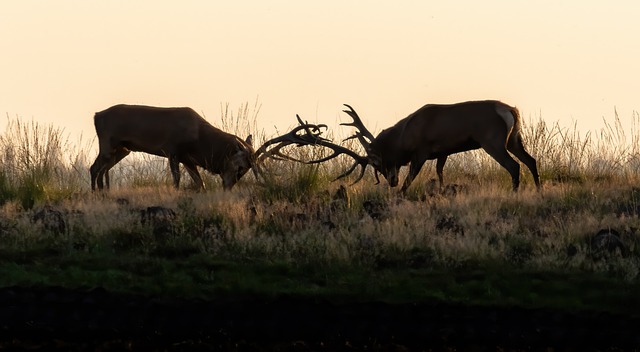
(434, 132)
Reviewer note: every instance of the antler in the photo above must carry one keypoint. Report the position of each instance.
(311, 136)
(359, 160)
(363, 135)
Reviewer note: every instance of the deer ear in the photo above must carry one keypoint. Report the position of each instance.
(239, 159)
(249, 140)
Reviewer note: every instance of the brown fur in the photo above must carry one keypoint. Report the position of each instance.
(179, 134)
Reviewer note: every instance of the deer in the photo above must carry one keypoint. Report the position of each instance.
(184, 137)
(436, 131)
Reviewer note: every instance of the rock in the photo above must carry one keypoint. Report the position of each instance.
(571, 250)
(454, 189)
(377, 209)
(156, 214)
(449, 223)
(51, 219)
(159, 218)
(607, 241)
(123, 202)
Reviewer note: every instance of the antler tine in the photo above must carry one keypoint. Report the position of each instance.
(365, 143)
(351, 169)
(337, 150)
(285, 137)
(316, 128)
(364, 136)
(311, 136)
(275, 153)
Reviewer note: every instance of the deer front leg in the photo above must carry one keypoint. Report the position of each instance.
(174, 165)
(192, 169)
(414, 169)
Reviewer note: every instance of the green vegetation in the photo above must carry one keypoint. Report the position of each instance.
(300, 234)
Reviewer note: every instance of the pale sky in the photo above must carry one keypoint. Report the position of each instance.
(567, 61)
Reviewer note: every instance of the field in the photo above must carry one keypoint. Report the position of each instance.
(298, 262)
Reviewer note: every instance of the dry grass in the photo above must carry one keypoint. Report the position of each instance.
(589, 184)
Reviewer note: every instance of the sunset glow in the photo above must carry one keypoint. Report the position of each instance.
(563, 61)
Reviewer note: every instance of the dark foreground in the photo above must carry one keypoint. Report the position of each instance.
(74, 320)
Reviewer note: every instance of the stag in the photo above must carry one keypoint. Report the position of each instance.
(184, 137)
(179, 134)
(434, 132)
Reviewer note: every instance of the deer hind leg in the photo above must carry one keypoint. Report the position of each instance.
(500, 154)
(96, 170)
(102, 165)
(439, 167)
(515, 146)
(120, 154)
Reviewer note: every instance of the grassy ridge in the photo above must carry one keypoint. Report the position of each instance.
(526, 250)
(301, 234)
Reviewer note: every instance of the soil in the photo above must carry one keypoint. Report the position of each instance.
(77, 320)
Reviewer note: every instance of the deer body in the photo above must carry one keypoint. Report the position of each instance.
(436, 131)
(179, 134)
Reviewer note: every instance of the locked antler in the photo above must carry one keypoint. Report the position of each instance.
(311, 136)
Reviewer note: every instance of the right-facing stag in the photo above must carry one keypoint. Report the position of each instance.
(179, 134)
(186, 138)
(434, 132)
